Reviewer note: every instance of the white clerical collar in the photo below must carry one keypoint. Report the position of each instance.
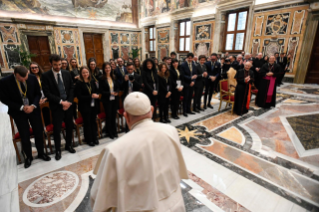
(140, 122)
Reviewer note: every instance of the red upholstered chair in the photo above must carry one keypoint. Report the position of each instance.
(226, 95)
(255, 92)
(100, 118)
(48, 130)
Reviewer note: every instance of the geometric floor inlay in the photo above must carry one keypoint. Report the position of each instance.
(50, 189)
(234, 135)
(306, 128)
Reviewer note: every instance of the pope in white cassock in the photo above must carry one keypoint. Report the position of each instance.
(142, 170)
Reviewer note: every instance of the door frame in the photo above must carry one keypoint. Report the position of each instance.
(105, 41)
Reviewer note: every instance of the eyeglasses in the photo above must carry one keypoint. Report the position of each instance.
(34, 67)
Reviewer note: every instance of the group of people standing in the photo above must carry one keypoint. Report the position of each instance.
(165, 84)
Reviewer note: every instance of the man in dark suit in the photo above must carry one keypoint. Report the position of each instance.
(21, 93)
(132, 82)
(120, 72)
(233, 63)
(199, 83)
(213, 70)
(59, 89)
(189, 75)
(282, 62)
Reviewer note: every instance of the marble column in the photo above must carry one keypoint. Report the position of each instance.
(306, 49)
(9, 197)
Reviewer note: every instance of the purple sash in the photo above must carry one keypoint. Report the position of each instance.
(270, 88)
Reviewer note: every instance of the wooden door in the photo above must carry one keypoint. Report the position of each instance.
(39, 45)
(313, 67)
(94, 48)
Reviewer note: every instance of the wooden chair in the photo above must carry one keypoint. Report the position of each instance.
(100, 118)
(16, 138)
(226, 95)
(48, 130)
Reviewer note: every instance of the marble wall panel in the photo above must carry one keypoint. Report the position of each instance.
(272, 46)
(292, 50)
(258, 25)
(125, 38)
(163, 51)
(67, 36)
(12, 55)
(203, 32)
(297, 21)
(163, 36)
(163, 43)
(202, 49)
(115, 52)
(1, 59)
(277, 24)
(134, 39)
(9, 34)
(114, 38)
(69, 52)
(255, 47)
(125, 50)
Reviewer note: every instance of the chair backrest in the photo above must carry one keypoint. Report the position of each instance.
(42, 106)
(223, 86)
(12, 127)
(232, 82)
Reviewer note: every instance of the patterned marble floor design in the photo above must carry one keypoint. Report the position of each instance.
(234, 135)
(306, 90)
(274, 135)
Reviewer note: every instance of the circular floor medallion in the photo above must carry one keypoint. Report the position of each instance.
(50, 189)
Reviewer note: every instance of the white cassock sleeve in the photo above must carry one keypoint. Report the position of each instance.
(106, 180)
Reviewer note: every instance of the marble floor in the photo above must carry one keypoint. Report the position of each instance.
(263, 161)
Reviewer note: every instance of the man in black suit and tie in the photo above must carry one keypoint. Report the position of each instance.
(59, 89)
(213, 70)
(120, 72)
(21, 93)
(189, 75)
(282, 62)
(132, 82)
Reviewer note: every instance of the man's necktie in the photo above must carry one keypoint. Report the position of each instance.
(61, 88)
(190, 67)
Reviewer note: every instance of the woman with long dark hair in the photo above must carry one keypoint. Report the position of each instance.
(177, 87)
(150, 81)
(109, 90)
(74, 69)
(96, 75)
(65, 64)
(164, 92)
(137, 65)
(86, 92)
(266, 59)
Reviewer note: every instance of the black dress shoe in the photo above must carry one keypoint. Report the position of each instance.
(70, 149)
(197, 111)
(44, 157)
(205, 107)
(163, 121)
(91, 144)
(190, 113)
(175, 117)
(27, 162)
(201, 109)
(116, 135)
(168, 121)
(58, 155)
(210, 106)
(111, 136)
(96, 142)
(185, 114)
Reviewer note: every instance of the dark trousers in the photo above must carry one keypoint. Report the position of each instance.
(188, 95)
(163, 107)
(89, 124)
(280, 77)
(153, 100)
(209, 91)
(198, 96)
(110, 109)
(175, 102)
(22, 123)
(58, 116)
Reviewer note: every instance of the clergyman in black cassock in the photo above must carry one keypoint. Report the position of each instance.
(266, 96)
(244, 77)
(257, 64)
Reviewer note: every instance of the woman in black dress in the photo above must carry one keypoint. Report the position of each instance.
(74, 69)
(150, 81)
(137, 65)
(244, 77)
(96, 75)
(86, 92)
(177, 88)
(164, 92)
(109, 90)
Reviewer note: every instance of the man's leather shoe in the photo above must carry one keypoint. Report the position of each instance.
(44, 157)
(190, 113)
(96, 142)
(58, 155)
(162, 121)
(70, 149)
(175, 117)
(197, 111)
(210, 106)
(27, 162)
(185, 114)
(201, 109)
(168, 121)
(205, 107)
(91, 144)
